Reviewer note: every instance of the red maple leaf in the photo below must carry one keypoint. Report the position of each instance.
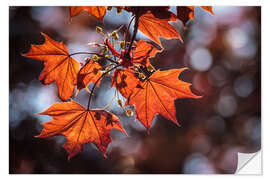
(90, 72)
(185, 13)
(80, 126)
(156, 95)
(96, 11)
(59, 66)
(125, 81)
(154, 22)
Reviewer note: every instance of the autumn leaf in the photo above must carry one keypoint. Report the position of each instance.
(59, 66)
(208, 8)
(90, 72)
(154, 22)
(125, 82)
(143, 52)
(154, 26)
(185, 13)
(157, 95)
(80, 126)
(96, 11)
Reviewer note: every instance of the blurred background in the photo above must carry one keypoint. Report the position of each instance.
(223, 53)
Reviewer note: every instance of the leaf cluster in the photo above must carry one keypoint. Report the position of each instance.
(150, 91)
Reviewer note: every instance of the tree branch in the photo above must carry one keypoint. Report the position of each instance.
(135, 30)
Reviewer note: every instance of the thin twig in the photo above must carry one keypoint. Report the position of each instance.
(125, 39)
(135, 30)
(92, 90)
(81, 53)
(111, 60)
(110, 103)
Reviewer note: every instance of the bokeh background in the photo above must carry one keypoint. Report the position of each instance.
(223, 53)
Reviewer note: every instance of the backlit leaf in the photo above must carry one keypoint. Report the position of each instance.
(125, 81)
(59, 66)
(143, 52)
(154, 22)
(157, 94)
(185, 13)
(96, 11)
(80, 126)
(90, 72)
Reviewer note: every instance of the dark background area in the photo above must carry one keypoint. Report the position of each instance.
(224, 60)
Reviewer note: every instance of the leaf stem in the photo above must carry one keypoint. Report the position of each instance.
(110, 103)
(81, 53)
(128, 31)
(111, 60)
(92, 90)
(135, 30)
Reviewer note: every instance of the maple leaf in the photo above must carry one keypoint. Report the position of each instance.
(80, 126)
(185, 13)
(157, 94)
(96, 11)
(208, 8)
(143, 52)
(154, 22)
(125, 81)
(59, 66)
(90, 72)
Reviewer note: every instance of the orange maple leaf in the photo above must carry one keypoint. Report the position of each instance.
(143, 52)
(157, 94)
(154, 22)
(208, 8)
(80, 126)
(125, 81)
(185, 13)
(90, 72)
(96, 11)
(59, 66)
